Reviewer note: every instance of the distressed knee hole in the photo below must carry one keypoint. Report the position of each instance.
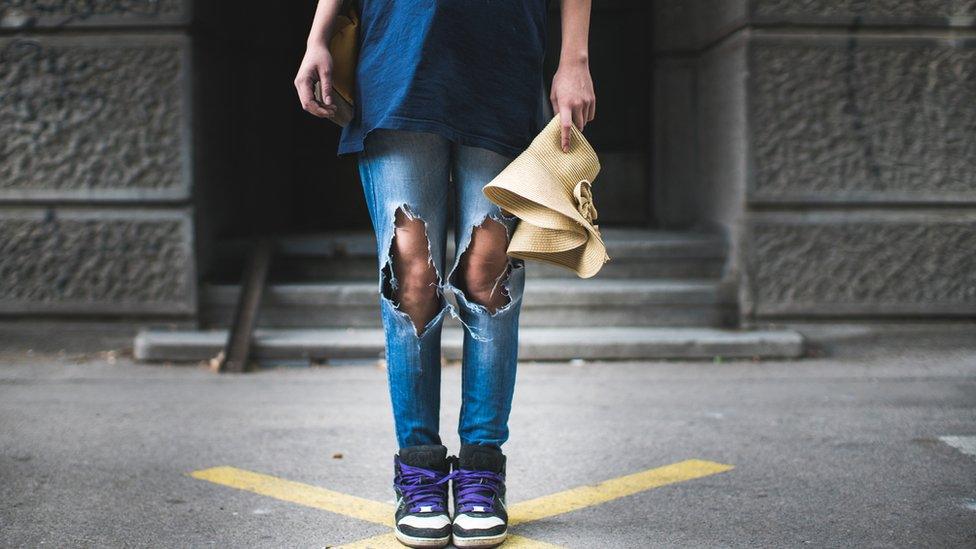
(410, 278)
(484, 266)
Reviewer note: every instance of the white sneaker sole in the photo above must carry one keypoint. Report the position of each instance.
(480, 541)
(421, 543)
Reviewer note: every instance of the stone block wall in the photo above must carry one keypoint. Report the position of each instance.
(96, 159)
(59, 14)
(835, 144)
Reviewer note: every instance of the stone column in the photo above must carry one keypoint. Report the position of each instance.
(834, 141)
(95, 159)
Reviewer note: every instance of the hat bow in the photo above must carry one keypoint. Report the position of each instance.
(583, 193)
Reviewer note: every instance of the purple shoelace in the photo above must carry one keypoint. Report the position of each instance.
(477, 489)
(423, 488)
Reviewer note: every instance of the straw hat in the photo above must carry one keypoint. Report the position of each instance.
(550, 192)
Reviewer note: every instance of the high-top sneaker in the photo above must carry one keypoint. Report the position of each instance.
(480, 517)
(421, 474)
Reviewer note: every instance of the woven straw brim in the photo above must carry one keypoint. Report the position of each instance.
(537, 187)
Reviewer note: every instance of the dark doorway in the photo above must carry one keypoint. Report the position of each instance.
(620, 64)
(265, 166)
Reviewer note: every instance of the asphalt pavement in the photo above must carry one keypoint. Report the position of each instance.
(843, 451)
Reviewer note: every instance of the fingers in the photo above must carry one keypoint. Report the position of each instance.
(584, 111)
(325, 81)
(305, 84)
(579, 117)
(565, 121)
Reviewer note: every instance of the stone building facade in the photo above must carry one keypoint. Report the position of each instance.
(832, 142)
(96, 164)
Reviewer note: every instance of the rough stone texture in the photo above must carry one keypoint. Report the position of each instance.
(793, 123)
(96, 261)
(21, 13)
(906, 10)
(871, 263)
(93, 118)
(835, 120)
(691, 25)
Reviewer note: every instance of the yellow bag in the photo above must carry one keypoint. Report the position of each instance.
(344, 47)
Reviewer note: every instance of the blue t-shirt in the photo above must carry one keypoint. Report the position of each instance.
(469, 70)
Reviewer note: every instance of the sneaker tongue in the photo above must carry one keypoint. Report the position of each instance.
(431, 456)
(482, 458)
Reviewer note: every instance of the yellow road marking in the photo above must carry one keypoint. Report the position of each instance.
(519, 513)
(302, 494)
(587, 496)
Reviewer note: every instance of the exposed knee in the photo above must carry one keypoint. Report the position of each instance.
(484, 265)
(416, 290)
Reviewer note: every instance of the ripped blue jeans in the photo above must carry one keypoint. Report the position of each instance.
(429, 177)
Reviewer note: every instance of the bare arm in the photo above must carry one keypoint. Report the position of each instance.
(572, 94)
(316, 67)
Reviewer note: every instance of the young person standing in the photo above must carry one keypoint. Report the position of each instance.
(448, 92)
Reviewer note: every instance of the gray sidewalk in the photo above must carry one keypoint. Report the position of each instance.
(826, 452)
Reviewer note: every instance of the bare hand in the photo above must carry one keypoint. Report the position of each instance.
(572, 98)
(316, 70)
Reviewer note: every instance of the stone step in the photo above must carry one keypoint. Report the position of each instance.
(601, 343)
(636, 253)
(547, 302)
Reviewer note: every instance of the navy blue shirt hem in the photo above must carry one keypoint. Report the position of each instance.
(355, 145)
